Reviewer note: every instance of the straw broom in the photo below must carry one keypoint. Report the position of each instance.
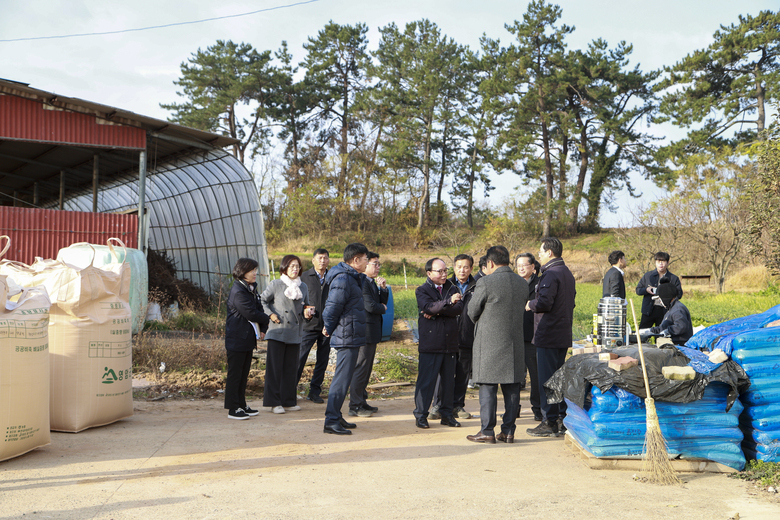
(656, 466)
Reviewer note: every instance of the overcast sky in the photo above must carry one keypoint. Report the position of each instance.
(135, 70)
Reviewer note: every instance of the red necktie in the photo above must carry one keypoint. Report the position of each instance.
(439, 288)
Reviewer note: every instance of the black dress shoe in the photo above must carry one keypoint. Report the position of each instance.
(422, 422)
(315, 399)
(344, 424)
(503, 437)
(336, 429)
(480, 437)
(450, 421)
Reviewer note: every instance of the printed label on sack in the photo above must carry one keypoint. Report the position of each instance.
(25, 329)
(110, 349)
(20, 433)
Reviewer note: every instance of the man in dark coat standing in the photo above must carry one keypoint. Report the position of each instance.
(614, 284)
(375, 296)
(553, 310)
(497, 309)
(314, 279)
(344, 319)
(439, 303)
(652, 309)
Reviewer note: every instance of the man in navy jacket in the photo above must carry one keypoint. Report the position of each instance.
(439, 303)
(345, 323)
(553, 310)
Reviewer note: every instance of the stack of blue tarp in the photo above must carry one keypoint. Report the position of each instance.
(756, 348)
(613, 425)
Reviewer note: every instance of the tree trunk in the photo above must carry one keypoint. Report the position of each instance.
(425, 199)
(571, 225)
(760, 104)
(470, 203)
(602, 166)
(371, 168)
(341, 189)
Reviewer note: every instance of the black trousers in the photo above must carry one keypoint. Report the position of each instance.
(310, 337)
(280, 384)
(653, 319)
(462, 371)
(429, 369)
(549, 360)
(533, 373)
(363, 368)
(238, 365)
(488, 402)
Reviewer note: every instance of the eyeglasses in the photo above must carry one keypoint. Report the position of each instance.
(523, 265)
(440, 271)
(375, 264)
(294, 268)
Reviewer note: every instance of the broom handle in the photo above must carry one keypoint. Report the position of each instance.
(641, 353)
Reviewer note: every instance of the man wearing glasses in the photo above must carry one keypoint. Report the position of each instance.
(439, 303)
(375, 296)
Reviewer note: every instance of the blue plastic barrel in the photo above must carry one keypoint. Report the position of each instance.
(387, 319)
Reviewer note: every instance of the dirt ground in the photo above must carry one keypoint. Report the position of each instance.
(184, 459)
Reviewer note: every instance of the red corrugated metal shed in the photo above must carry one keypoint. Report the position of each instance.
(43, 232)
(31, 120)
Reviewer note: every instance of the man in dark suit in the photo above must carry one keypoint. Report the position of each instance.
(439, 303)
(652, 309)
(314, 279)
(614, 284)
(496, 308)
(375, 296)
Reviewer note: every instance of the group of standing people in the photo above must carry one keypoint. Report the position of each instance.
(473, 322)
(341, 308)
(469, 328)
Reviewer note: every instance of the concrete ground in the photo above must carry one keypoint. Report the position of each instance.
(184, 459)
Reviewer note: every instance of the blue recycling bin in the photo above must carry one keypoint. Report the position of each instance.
(387, 319)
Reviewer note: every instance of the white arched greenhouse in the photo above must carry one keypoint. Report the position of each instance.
(195, 201)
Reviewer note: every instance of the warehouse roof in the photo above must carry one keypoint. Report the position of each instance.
(43, 134)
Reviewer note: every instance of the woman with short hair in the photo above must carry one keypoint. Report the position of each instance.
(287, 302)
(244, 325)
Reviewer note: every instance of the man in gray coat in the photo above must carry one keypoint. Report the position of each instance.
(496, 308)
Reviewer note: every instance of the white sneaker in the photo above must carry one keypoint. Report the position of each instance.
(278, 409)
(293, 408)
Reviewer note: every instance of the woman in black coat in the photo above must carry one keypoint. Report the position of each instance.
(245, 323)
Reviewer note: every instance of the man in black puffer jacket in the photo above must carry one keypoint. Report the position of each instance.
(439, 303)
(344, 316)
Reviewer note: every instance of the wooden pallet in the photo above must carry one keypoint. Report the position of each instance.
(635, 464)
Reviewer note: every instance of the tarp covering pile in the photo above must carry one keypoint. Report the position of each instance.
(573, 380)
(754, 343)
(606, 414)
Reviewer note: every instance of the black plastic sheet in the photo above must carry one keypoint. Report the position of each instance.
(573, 381)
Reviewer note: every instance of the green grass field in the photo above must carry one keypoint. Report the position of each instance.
(706, 308)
